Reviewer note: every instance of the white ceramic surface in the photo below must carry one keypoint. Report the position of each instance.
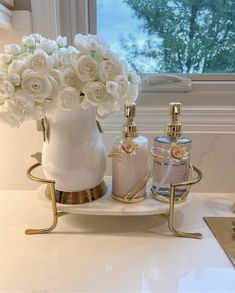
(111, 254)
(106, 205)
(75, 155)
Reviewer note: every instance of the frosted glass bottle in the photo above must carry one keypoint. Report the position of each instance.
(130, 166)
(172, 156)
(129, 161)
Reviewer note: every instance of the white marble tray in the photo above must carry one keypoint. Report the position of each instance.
(106, 205)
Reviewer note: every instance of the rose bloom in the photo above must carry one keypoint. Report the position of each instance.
(67, 98)
(108, 69)
(6, 90)
(5, 58)
(122, 86)
(29, 41)
(12, 49)
(40, 61)
(70, 78)
(47, 45)
(6, 117)
(107, 106)
(36, 84)
(95, 92)
(14, 78)
(57, 75)
(17, 66)
(86, 68)
(61, 41)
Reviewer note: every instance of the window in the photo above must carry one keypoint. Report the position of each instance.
(193, 39)
(182, 36)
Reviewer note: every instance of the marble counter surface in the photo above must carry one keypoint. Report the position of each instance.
(110, 253)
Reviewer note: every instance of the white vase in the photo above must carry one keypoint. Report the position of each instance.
(74, 154)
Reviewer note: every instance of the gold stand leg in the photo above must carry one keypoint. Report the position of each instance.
(51, 184)
(171, 220)
(55, 216)
(170, 215)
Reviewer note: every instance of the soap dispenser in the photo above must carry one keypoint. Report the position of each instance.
(129, 161)
(171, 153)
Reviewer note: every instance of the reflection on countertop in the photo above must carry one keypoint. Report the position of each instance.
(111, 253)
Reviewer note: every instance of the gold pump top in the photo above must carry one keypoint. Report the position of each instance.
(130, 129)
(174, 128)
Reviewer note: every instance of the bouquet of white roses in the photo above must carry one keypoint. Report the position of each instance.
(40, 75)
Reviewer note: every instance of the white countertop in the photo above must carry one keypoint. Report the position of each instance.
(103, 253)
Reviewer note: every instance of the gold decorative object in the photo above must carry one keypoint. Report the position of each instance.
(56, 214)
(222, 228)
(78, 197)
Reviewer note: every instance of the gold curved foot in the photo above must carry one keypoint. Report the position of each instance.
(172, 205)
(41, 231)
(55, 214)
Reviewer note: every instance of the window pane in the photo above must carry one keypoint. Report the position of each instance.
(171, 36)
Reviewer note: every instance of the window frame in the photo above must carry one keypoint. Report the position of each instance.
(80, 16)
(218, 84)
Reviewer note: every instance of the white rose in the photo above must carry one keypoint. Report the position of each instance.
(5, 58)
(112, 88)
(85, 104)
(17, 66)
(95, 92)
(54, 87)
(70, 78)
(108, 69)
(105, 53)
(89, 42)
(80, 43)
(22, 107)
(86, 68)
(36, 85)
(6, 117)
(6, 90)
(12, 49)
(108, 106)
(122, 86)
(61, 41)
(65, 57)
(72, 49)
(40, 61)
(14, 78)
(28, 41)
(57, 75)
(37, 37)
(47, 45)
(67, 98)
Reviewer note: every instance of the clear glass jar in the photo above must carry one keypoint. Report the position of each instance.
(171, 165)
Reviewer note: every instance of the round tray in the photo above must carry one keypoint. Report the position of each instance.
(107, 206)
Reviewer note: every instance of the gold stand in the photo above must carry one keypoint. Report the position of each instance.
(170, 215)
(56, 214)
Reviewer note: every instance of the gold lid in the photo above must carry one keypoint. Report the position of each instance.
(130, 128)
(174, 128)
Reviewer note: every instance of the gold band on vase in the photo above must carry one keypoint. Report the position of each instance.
(78, 197)
(128, 200)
